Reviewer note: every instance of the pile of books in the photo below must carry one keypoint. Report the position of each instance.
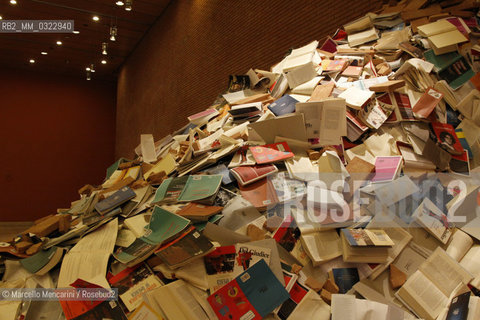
(340, 184)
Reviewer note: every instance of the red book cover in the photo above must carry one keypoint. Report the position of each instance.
(235, 306)
(260, 194)
(404, 106)
(252, 295)
(427, 102)
(352, 118)
(447, 139)
(329, 45)
(271, 152)
(248, 174)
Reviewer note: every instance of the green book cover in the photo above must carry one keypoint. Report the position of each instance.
(164, 226)
(114, 167)
(161, 191)
(199, 187)
(452, 67)
(441, 61)
(38, 260)
(170, 190)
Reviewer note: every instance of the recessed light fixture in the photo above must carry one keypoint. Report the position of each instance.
(95, 18)
(119, 3)
(76, 31)
(128, 5)
(13, 1)
(32, 61)
(1, 17)
(59, 43)
(87, 68)
(44, 53)
(104, 61)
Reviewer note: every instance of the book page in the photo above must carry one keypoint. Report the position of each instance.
(322, 246)
(88, 266)
(460, 244)
(201, 298)
(311, 306)
(312, 113)
(400, 237)
(425, 293)
(444, 272)
(88, 259)
(333, 121)
(343, 307)
(186, 301)
(409, 261)
(471, 263)
(366, 310)
(147, 146)
(473, 308)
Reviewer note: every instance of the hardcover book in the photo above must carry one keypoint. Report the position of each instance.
(345, 278)
(284, 105)
(367, 238)
(363, 254)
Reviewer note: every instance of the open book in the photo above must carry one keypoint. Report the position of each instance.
(462, 249)
(427, 292)
(180, 301)
(348, 307)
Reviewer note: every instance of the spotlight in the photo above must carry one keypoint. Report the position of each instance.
(119, 3)
(44, 53)
(13, 1)
(104, 61)
(95, 18)
(32, 61)
(128, 5)
(59, 43)
(113, 33)
(104, 48)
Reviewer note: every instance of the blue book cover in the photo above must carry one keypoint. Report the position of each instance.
(115, 200)
(284, 105)
(223, 170)
(345, 278)
(459, 308)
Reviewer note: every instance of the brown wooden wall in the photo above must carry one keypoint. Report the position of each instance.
(57, 134)
(183, 62)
